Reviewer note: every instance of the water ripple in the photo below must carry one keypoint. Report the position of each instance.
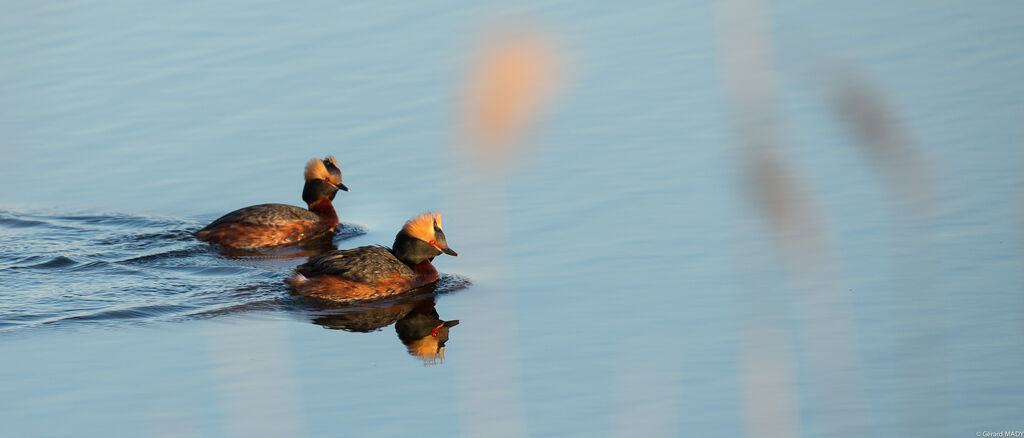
(56, 262)
(10, 222)
(110, 269)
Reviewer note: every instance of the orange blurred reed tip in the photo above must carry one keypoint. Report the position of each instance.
(510, 78)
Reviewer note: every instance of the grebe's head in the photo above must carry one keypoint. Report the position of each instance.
(320, 181)
(334, 172)
(421, 238)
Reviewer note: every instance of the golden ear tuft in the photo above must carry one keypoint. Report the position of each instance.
(315, 169)
(422, 226)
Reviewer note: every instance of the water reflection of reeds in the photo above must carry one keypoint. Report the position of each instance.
(787, 206)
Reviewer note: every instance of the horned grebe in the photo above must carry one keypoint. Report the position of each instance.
(373, 272)
(267, 226)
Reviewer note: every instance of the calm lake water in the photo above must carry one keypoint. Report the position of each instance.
(615, 280)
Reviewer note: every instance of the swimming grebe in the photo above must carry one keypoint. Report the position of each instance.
(373, 272)
(271, 225)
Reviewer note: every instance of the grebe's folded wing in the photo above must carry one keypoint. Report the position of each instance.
(266, 214)
(365, 264)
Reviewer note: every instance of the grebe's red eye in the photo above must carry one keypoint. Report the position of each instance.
(432, 243)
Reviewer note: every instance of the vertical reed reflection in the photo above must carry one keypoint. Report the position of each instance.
(785, 205)
(509, 79)
(877, 130)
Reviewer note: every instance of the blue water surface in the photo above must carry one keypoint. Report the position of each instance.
(616, 278)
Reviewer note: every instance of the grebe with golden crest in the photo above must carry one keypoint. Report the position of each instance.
(268, 226)
(374, 272)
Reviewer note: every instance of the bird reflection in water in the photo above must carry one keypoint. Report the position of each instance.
(416, 321)
(424, 333)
